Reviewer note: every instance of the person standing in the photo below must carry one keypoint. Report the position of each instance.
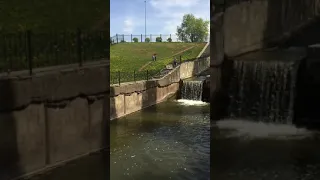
(175, 62)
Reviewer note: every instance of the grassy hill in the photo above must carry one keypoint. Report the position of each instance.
(129, 57)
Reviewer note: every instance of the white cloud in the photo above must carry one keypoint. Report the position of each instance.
(173, 3)
(128, 26)
(171, 12)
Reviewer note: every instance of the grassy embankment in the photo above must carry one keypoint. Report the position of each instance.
(133, 60)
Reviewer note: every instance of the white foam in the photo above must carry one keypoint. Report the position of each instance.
(263, 130)
(187, 102)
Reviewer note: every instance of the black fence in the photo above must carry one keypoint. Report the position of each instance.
(121, 38)
(28, 50)
(121, 77)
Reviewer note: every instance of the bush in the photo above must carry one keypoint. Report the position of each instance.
(169, 40)
(158, 39)
(135, 39)
(123, 41)
(147, 40)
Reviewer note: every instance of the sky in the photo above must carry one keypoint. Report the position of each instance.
(163, 16)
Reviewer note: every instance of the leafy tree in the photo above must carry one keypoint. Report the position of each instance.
(158, 39)
(193, 29)
(169, 39)
(147, 40)
(135, 39)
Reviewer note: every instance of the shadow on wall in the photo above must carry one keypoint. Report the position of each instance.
(9, 154)
(306, 111)
(149, 97)
(296, 17)
(220, 97)
(105, 129)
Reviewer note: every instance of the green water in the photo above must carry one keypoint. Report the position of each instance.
(168, 141)
(251, 150)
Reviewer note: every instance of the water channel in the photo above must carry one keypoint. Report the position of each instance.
(170, 140)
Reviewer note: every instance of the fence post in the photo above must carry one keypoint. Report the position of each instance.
(119, 78)
(134, 75)
(29, 51)
(180, 59)
(117, 38)
(131, 37)
(79, 47)
(141, 37)
(147, 75)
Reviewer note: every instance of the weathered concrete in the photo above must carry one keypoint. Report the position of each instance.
(257, 24)
(134, 96)
(51, 117)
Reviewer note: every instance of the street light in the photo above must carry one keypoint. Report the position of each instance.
(145, 20)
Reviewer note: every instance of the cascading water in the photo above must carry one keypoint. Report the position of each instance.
(262, 90)
(192, 90)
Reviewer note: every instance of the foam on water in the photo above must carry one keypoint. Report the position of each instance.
(187, 102)
(250, 129)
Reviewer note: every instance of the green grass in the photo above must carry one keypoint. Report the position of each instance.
(129, 57)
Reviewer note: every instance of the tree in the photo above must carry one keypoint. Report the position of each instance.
(193, 29)
(135, 39)
(158, 39)
(147, 40)
(169, 39)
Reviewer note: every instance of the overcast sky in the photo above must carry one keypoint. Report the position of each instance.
(163, 16)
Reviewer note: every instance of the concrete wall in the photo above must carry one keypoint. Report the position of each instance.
(134, 96)
(51, 117)
(258, 24)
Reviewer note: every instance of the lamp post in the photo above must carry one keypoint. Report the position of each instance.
(145, 20)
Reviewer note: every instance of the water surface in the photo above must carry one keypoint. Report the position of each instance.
(168, 141)
(252, 150)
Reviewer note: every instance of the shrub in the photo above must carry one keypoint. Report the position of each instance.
(135, 39)
(158, 39)
(169, 40)
(147, 40)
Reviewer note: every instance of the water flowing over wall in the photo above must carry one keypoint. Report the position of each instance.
(262, 90)
(192, 90)
(263, 86)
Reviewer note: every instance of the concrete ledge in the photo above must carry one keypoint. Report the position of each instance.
(52, 86)
(259, 24)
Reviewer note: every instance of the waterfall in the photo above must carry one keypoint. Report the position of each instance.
(192, 90)
(262, 90)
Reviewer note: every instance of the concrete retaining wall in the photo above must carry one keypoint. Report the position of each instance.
(257, 24)
(134, 96)
(51, 117)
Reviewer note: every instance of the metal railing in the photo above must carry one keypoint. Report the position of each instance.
(122, 38)
(29, 50)
(122, 77)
